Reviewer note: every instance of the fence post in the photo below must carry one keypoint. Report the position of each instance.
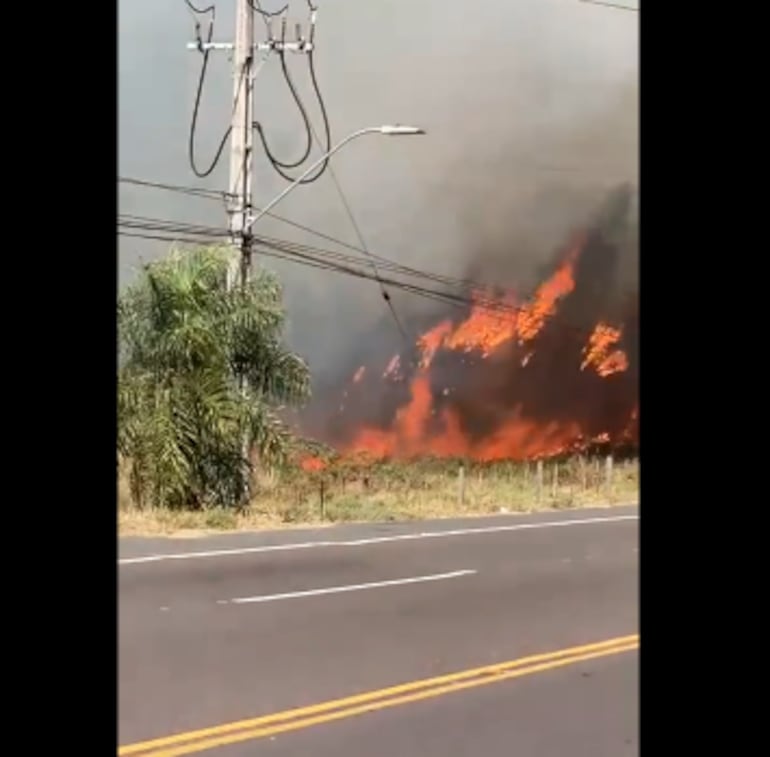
(555, 483)
(608, 473)
(461, 486)
(539, 480)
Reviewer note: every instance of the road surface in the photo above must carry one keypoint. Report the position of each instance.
(494, 636)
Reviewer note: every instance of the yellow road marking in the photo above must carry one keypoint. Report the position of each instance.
(414, 691)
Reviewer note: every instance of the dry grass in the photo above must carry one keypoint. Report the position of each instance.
(356, 492)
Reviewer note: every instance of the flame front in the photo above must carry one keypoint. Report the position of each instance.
(501, 341)
(600, 354)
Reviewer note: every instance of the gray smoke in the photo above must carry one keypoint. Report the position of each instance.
(531, 110)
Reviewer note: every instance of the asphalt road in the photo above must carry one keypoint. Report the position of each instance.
(233, 628)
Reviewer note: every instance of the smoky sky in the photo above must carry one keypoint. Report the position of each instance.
(531, 109)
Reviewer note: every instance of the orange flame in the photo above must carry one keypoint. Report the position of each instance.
(532, 317)
(598, 352)
(484, 330)
(419, 428)
(431, 340)
(311, 464)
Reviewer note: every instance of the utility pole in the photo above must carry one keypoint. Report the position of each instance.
(239, 198)
(243, 50)
(242, 138)
(241, 162)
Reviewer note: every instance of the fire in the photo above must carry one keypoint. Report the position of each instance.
(543, 305)
(484, 398)
(599, 353)
(485, 330)
(393, 367)
(311, 464)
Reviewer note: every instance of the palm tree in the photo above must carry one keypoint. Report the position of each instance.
(201, 369)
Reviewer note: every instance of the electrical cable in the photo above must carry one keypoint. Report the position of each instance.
(295, 253)
(384, 262)
(306, 121)
(277, 165)
(611, 5)
(208, 194)
(444, 297)
(349, 211)
(211, 9)
(282, 251)
(191, 139)
(466, 292)
(144, 223)
(151, 223)
(257, 8)
(383, 291)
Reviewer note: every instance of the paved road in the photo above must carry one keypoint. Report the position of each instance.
(232, 628)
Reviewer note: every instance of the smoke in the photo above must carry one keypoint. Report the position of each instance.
(503, 386)
(531, 110)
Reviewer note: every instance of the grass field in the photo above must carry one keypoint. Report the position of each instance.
(352, 491)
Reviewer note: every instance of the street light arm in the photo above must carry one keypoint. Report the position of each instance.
(387, 130)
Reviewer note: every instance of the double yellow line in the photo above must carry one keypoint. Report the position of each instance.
(337, 709)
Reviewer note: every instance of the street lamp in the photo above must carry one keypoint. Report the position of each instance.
(387, 130)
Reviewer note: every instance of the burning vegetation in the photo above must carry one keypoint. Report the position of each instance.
(511, 377)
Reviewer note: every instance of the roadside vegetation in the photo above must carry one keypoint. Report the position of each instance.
(203, 376)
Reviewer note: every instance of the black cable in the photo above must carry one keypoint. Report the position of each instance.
(211, 9)
(151, 223)
(218, 195)
(324, 115)
(470, 292)
(257, 8)
(207, 194)
(383, 291)
(306, 121)
(611, 5)
(285, 251)
(272, 248)
(274, 162)
(191, 140)
(157, 237)
(278, 166)
(175, 229)
(309, 262)
(384, 262)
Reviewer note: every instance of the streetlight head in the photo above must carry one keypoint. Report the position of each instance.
(395, 131)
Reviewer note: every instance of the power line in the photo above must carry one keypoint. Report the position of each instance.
(276, 164)
(148, 223)
(273, 250)
(307, 253)
(194, 120)
(159, 224)
(472, 296)
(361, 240)
(218, 195)
(383, 291)
(211, 9)
(267, 14)
(611, 5)
(208, 194)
